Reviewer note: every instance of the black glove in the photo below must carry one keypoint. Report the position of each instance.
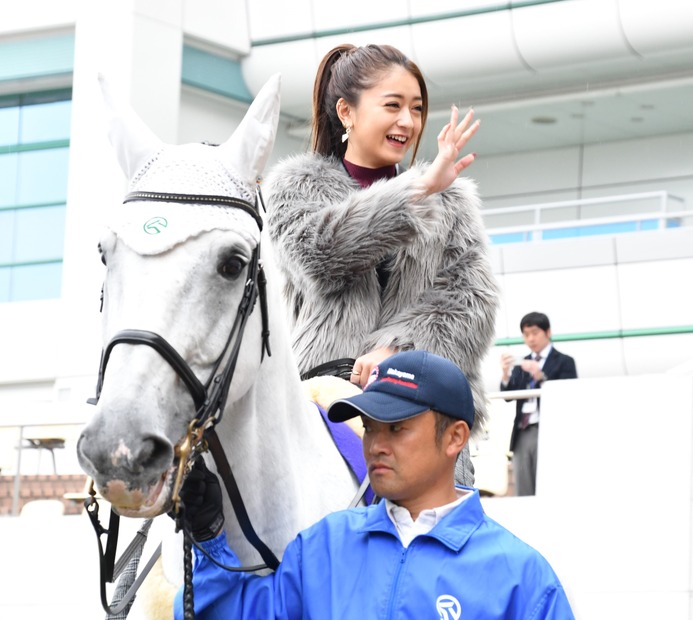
(202, 506)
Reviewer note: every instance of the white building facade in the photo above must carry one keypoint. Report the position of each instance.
(548, 79)
(587, 111)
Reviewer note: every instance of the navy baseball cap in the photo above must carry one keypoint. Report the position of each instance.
(407, 384)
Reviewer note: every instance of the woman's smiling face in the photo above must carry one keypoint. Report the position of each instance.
(386, 121)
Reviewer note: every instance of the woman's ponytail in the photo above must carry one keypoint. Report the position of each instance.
(325, 125)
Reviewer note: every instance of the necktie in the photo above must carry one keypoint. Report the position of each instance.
(524, 422)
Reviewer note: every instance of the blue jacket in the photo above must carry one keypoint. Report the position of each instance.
(351, 565)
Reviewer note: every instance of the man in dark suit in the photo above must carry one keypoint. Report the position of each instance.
(544, 363)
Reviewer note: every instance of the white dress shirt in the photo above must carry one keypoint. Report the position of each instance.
(408, 529)
(531, 405)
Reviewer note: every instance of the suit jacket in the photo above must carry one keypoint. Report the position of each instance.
(556, 366)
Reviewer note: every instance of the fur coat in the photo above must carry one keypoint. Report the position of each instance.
(329, 236)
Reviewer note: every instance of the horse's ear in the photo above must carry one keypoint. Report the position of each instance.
(133, 141)
(250, 146)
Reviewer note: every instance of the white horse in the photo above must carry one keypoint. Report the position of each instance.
(179, 271)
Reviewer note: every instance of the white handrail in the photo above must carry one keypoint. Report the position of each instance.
(531, 230)
(594, 221)
(514, 394)
(662, 195)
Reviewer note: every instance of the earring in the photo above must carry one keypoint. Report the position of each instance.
(347, 131)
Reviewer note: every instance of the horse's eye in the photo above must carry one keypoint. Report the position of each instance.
(231, 267)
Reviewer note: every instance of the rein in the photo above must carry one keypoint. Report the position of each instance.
(337, 368)
(209, 401)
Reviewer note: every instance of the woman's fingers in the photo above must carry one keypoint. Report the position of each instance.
(466, 119)
(464, 123)
(457, 134)
(464, 138)
(446, 167)
(467, 160)
(452, 136)
(365, 363)
(443, 133)
(454, 115)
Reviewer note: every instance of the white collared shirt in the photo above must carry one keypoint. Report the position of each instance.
(409, 529)
(544, 353)
(531, 405)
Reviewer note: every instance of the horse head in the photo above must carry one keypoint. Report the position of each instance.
(177, 254)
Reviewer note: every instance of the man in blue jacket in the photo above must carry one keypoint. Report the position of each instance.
(426, 551)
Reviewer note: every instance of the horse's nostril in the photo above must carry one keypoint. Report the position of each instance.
(154, 453)
(84, 449)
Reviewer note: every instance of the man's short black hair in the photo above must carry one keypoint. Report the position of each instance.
(535, 319)
(442, 423)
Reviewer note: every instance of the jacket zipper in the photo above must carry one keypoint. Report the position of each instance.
(395, 585)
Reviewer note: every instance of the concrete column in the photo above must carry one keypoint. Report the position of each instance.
(138, 44)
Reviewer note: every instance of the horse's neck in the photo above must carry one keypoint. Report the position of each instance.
(288, 469)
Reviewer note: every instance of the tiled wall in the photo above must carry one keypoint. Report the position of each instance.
(41, 487)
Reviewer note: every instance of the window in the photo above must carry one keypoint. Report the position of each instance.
(34, 150)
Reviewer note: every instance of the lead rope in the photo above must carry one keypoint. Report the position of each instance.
(127, 567)
(188, 597)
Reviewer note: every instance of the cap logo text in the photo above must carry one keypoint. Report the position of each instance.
(400, 374)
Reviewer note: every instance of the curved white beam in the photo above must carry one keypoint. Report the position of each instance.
(567, 46)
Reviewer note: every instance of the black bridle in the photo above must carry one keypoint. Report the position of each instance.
(209, 402)
(209, 399)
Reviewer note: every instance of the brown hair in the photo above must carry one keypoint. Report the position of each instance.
(346, 71)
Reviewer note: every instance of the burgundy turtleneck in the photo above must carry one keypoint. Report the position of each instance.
(367, 176)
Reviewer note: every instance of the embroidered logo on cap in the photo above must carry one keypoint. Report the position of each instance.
(400, 377)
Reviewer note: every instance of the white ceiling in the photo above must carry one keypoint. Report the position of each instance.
(592, 116)
(596, 70)
(585, 116)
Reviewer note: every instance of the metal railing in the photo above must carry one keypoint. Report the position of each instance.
(568, 217)
(514, 394)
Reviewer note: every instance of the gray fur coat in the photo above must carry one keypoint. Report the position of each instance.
(329, 236)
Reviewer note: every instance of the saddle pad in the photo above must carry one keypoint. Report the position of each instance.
(350, 447)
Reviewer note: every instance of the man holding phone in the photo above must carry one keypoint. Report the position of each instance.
(544, 363)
